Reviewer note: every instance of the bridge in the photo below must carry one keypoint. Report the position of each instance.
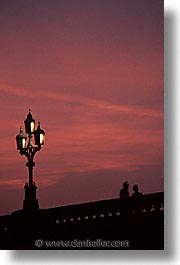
(138, 222)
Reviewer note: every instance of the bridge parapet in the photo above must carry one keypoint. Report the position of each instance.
(148, 203)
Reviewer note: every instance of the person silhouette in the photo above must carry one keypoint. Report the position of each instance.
(124, 192)
(136, 191)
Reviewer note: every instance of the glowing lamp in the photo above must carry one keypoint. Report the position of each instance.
(39, 136)
(29, 123)
(21, 140)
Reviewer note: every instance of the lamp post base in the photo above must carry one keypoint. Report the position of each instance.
(30, 203)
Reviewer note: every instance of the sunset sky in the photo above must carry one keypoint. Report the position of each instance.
(92, 73)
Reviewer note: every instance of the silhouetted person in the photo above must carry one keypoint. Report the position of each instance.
(136, 192)
(124, 192)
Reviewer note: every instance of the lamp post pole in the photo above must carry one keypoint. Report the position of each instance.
(30, 152)
(30, 203)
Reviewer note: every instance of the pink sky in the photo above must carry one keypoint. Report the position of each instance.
(92, 73)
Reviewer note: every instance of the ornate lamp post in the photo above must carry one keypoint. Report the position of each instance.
(29, 149)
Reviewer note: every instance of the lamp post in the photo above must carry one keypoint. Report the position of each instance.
(29, 148)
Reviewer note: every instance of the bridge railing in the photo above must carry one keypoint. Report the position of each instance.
(147, 203)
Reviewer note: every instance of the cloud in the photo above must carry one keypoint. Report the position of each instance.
(82, 134)
(97, 104)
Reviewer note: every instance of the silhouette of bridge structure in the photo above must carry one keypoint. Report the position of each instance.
(138, 221)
